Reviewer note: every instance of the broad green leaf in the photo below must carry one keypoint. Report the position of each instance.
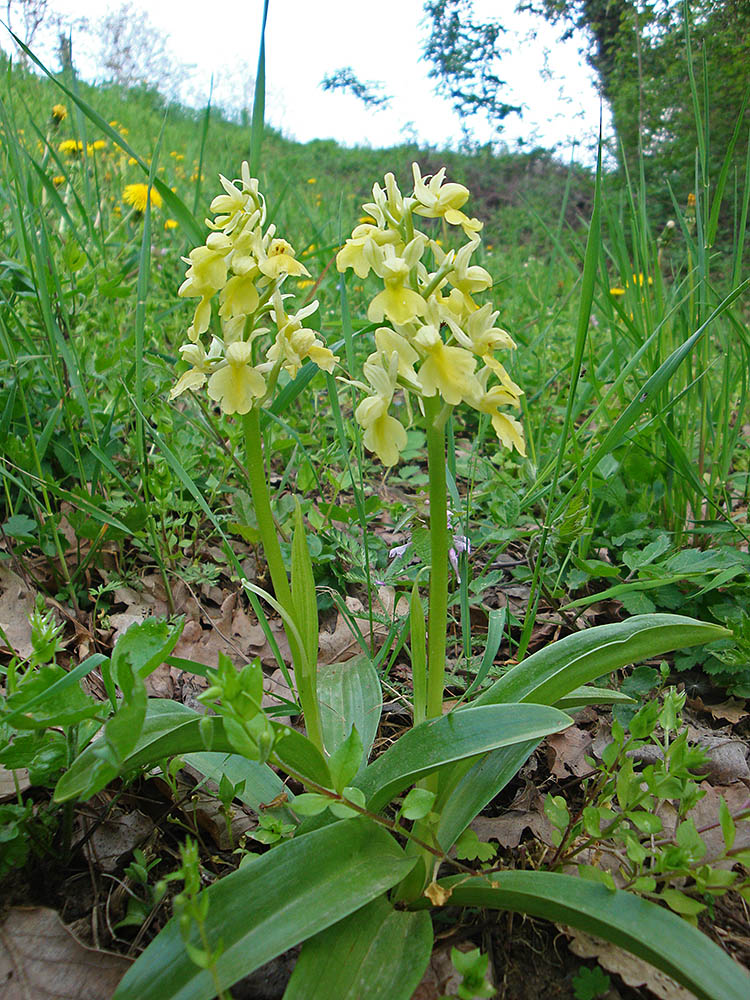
(417, 803)
(341, 810)
(270, 904)
(466, 733)
(164, 721)
(43, 699)
(378, 952)
(144, 646)
(587, 694)
(311, 804)
(349, 694)
(682, 904)
(645, 929)
(262, 784)
(465, 792)
(171, 729)
(30, 704)
(552, 673)
(344, 763)
(123, 729)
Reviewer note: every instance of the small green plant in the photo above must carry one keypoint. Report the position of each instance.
(472, 966)
(589, 984)
(142, 895)
(622, 809)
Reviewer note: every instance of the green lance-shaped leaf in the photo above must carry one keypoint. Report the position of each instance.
(552, 673)
(643, 928)
(344, 762)
(264, 908)
(171, 729)
(437, 742)
(465, 791)
(378, 952)
(123, 729)
(588, 694)
(349, 694)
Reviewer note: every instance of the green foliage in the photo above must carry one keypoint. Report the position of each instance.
(472, 966)
(463, 53)
(588, 984)
(621, 814)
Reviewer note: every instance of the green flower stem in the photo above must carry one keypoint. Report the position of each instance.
(306, 672)
(439, 545)
(256, 474)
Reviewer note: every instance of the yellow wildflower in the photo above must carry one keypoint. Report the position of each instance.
(438, 200)
(239, 296)
(446, 370)
(171, 224)
(70, 147)
(137, 195)
(59, 113)
(281, 260)
(509, 432)
(196, 375)
(246, 263)
(361, 249)
(294, 342)
(438, 332)
(384, 434)
(398, 301)
(236, 385)
(57, 180)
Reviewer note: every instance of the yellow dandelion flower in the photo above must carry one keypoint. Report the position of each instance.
(691, 200)
(170, 224)
(70, 147)
(57, 180)
(312, 180)
(617, 290)
(59, 113)
(132, 162)
(137, 196)
(98, 144)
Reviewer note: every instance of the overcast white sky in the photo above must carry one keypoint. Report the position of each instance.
(381, 41)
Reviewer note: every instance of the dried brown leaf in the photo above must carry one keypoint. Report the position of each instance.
(115, 837)
(569, 750)
(16, 604)
(41, 960)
